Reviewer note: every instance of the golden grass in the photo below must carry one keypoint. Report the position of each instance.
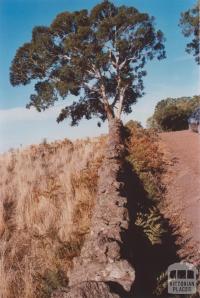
(46, 197)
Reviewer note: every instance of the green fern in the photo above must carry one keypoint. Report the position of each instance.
(152, 225)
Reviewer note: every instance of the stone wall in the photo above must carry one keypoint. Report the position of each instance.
(100, 268)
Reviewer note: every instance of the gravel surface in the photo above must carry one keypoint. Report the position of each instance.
(184, 186)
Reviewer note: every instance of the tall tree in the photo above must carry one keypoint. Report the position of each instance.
(191, 28)
(98, 56)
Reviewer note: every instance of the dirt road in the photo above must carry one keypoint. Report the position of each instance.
(184, 186)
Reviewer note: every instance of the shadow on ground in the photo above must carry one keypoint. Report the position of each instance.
(150, 261)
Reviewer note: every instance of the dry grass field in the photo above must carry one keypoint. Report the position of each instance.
(46, 197)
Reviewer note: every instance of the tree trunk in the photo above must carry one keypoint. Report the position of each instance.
(101, 258)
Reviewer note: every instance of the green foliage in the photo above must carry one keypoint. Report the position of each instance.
(151, 224)
(190, 24)
(151, 123)
(152, 236)
(172, 113)
(97, 56)
(147, 161)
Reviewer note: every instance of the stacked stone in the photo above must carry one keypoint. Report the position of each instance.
(101, 259)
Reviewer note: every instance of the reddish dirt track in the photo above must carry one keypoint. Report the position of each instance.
(184, 186)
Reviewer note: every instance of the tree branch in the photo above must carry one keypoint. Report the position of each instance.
(93, 89)
(108, 109)
(120, 102)
(102, 90)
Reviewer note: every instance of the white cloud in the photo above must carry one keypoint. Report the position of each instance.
(23, 114)
(21, 126)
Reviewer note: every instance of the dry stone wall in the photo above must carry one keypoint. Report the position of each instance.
(100, 270)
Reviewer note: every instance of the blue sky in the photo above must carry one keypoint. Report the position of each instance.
(173, 77)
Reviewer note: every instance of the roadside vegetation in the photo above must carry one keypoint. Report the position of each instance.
(172, 114)
(159, 235)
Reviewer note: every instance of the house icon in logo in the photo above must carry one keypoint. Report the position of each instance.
(182, 278)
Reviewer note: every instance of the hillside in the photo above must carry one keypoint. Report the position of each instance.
(48, 193)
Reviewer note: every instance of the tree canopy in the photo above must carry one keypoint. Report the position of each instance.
(173, 113)
(190, 24)
(96, 57)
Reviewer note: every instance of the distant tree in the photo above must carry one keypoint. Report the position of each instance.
(152, 123)
(97, 56)
(173, 113)
(190, 23)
